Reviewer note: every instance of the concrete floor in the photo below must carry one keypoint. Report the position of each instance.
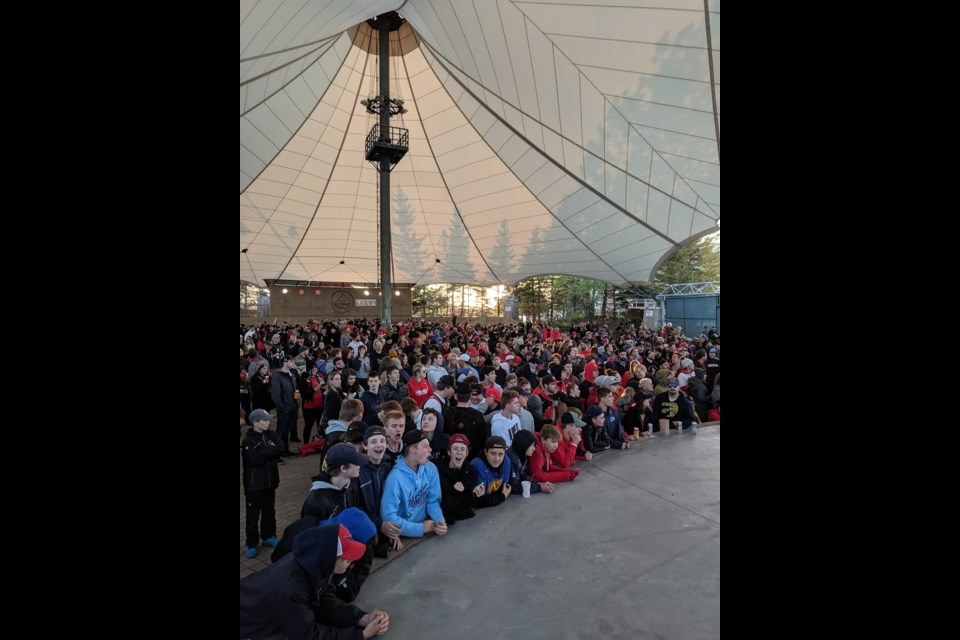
(631, 549)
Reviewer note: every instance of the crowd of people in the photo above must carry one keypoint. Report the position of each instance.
(421, 424)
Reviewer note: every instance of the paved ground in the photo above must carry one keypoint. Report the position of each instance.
(631, 549)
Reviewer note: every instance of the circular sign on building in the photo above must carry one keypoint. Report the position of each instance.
(342, 301)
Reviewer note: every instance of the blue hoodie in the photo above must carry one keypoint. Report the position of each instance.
(409, 497)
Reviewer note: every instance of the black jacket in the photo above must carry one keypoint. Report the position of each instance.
(371, 481)
(291, 596)
(456, 505)
(697, 391)
(326, 500)
(260, 454)
(346, 585)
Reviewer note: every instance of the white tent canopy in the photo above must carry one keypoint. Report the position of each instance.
(574, 137)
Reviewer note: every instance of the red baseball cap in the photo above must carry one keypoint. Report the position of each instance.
(347, 547)
(459, 438)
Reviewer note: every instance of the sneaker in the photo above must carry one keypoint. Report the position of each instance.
(251, 552)
(272, 541)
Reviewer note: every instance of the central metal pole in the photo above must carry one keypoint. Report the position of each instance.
(386, 295)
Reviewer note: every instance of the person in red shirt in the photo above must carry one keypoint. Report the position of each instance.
(542, 468)
(590, 369)
(571, 449)
(418, 387)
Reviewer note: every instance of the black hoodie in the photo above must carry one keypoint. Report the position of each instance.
(285, 597)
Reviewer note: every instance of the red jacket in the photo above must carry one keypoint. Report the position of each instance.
(541, 469)
(566, 454)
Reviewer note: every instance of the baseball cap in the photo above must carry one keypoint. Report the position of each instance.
(673, 383)
(347, 547)
(520, 391)
(343, 453)
(413, 437)
(260, 414)
(493, 392)
(459, 438)
(357, 522)
(593, 411)
(375, 430)
(495, 442)
(572, 418)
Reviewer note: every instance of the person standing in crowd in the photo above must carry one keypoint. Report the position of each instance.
(261, 449)
(438, 400)
(283, 393)
(507, 423)
(418, 388)
(311, 388)
(260, 387)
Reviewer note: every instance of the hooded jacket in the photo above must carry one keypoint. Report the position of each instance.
(542, 469)
(661, 377)
(409, 497)
(697, 392)
(347, 585)
(326, 499)
(519, 461)
(286, 596)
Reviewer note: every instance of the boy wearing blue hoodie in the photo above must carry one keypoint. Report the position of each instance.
(412, 491)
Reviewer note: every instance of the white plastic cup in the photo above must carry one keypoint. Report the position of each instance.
(679, 426)
(526, 488)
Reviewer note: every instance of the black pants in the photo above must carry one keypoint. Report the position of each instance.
(286, 424)
(245, 403)
(260, 510)
(310, 417)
